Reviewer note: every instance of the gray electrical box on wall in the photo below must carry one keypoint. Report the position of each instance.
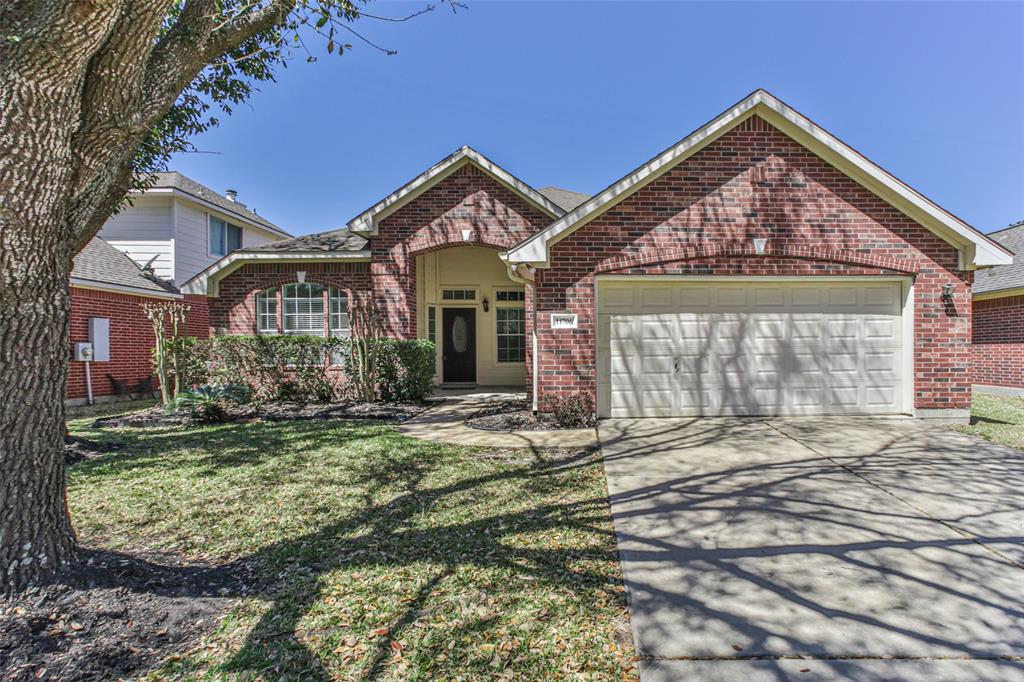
(99, 337)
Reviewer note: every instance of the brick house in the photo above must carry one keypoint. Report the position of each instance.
(759, 266)
(999, 318)
(108, 291)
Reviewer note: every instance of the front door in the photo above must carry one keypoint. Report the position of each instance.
(458, 346)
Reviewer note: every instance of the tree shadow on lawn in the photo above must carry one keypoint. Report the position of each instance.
(387, 532)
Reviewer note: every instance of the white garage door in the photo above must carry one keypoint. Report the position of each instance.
(750, 347)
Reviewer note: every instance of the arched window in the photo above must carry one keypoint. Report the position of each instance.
(306, 309)
(266, 312)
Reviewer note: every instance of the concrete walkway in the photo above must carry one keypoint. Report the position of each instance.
(816, 549)
(445, 423)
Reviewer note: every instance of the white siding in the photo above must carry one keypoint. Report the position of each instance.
(144, 232)
(192, 249)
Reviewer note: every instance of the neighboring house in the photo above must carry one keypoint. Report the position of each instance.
(999, 317)
(178, 227)
(759, 266)
(109, 288)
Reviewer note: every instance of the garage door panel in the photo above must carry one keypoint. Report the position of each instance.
(755, 348)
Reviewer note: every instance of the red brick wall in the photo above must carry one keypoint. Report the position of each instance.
(469, 199)
(131, 338)
(234, 310)
(700, 218)
(999, 341)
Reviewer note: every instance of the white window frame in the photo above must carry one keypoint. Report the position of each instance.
(457, 301)
(498, 335)
(261, 300)
(209, 236)
(285, 314)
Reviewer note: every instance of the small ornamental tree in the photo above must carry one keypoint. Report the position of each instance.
(169, 322)
(95, 95)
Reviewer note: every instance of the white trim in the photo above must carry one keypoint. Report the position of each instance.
(998, 293)
(366, 223)
(205, 283)
(979, 249)
(122, 289)
(757, 278)
(209, 205)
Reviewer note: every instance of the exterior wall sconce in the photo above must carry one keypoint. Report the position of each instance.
(759, 245)
(947, 292)
(301, 276)
(486, 304)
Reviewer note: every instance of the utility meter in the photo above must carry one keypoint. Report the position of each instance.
(83, 351)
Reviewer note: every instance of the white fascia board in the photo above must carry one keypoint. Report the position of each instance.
(978, 250)
(80, 283)
(366, 223)
(205, 283)
(210, 206)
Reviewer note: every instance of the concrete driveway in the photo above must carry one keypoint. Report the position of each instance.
(818, 549)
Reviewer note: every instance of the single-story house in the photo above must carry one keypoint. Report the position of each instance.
(108, 290)
(999, 317)
(758, 266)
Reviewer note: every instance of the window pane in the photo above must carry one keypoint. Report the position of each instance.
(266, 312)
(339, 314)
(510, 295)
(217, 238)
(234, 238)
(511, 331)
(304, 309)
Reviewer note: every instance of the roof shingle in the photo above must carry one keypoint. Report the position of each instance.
(326, 242)
(101, 263)
(565, 199)
(175, 180)
(1004, 276)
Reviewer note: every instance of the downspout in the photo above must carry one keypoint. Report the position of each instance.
(526, 274)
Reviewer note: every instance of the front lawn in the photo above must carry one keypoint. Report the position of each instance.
(374, 555)
(998, 419)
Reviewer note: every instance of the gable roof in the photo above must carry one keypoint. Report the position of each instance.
(175, 181)
(976, 249)
(1004, 277)
(366, 222)
(100, 266)
(565, 199)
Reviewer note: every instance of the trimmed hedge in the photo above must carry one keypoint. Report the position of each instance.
(297, 368)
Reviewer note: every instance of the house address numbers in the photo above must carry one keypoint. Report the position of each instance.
(564, 320)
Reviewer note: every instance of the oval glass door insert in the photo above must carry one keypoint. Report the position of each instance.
(460, 335)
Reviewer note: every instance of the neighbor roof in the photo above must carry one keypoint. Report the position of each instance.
(366, 222)
(99, 265)
(1005, 276)
(976, 248)
(176, 181)
(566, 199)
(341, 239)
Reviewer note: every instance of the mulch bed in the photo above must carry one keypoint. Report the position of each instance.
(76, 449)
(511, 415)
(158, 417)
(114, 616)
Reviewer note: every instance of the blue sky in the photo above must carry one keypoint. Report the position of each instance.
(576, 94)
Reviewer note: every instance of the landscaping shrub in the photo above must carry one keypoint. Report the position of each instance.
(274, 367)
(574, 411)
(405, 369)
(296, 368)
(207, 403)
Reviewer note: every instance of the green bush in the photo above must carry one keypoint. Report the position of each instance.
(295, 368)
(273, 367)
(405, 369)
(574, 411)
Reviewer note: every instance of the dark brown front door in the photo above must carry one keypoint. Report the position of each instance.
(458, 347)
